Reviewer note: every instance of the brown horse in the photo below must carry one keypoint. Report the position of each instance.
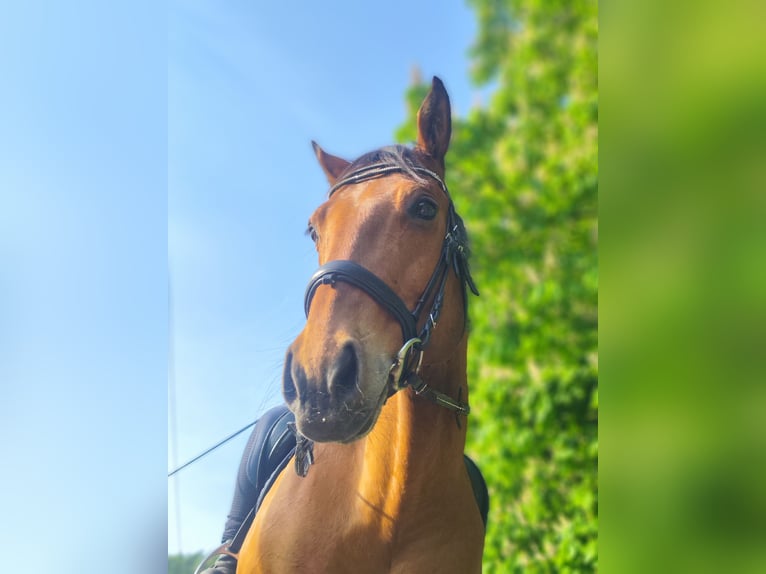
(388, 490)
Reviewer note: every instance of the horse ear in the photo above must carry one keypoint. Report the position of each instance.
(331, 165)
(435, 122)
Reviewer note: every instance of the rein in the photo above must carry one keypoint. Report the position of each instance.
(404, 370)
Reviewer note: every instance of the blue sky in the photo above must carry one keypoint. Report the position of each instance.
(83, 284)
(248, 88)
(156, 176)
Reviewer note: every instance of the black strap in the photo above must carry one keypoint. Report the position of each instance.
(354, 274)
(377, 170)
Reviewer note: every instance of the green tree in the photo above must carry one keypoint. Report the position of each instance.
(523, 170)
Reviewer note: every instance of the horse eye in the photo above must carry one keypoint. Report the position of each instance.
(312, 233)
(424, 209)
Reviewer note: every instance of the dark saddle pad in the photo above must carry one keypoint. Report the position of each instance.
(274, 446)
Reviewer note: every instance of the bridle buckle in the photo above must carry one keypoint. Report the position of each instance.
(401, 364)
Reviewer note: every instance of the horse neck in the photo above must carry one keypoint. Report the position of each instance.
(416, 446)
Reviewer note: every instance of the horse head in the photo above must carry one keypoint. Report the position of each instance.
(391, 250)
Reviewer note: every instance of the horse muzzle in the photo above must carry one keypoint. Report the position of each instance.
(333, 403)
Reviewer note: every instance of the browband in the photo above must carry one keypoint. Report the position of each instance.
(377, 170)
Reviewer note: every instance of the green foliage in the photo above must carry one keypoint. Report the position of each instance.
(184, 563)
(523, 170)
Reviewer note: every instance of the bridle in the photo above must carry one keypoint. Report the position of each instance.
(404, 370)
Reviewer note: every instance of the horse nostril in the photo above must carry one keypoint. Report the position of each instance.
(345, 373)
